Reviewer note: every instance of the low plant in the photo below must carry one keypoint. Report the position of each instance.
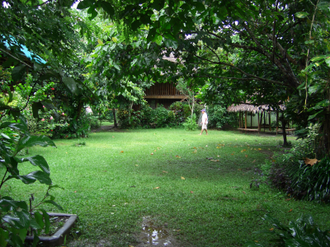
(181, 111)
(289, 172)
(219, 116)
(190, 123)
(161, 117)
(19, 217)
(311, 182)
(300, 233)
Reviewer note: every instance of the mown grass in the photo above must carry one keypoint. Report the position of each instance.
(118, 178)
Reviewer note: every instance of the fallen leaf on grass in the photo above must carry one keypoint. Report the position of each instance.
(156, 188)
(191, 191)
(271, 229)
(177, 156)
(310, 162)
(152, 154)
(215, 160)
(243, 150)
(121, 151)
(183, 178)
(165, 171)
(290, 210)
(244, 192)
(246, 155)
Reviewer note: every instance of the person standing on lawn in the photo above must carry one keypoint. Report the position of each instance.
(204, 121)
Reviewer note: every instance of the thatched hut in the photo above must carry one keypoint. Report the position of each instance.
(263, 113)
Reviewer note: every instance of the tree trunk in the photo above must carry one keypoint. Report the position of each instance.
(114, 117)
(323, 147)
(130, 112)
(285, 142)
(192, 106)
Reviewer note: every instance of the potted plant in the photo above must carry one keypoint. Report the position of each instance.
(20, 218)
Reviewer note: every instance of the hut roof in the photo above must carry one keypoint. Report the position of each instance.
(251, 108)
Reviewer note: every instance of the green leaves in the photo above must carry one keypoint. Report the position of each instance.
(71, 84)
(107, 7)
(301, 15)
(18, 72)
(29, 141)
(38, 160)
(85, 4)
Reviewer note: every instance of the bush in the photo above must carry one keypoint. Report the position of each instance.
(161, 118)
(123, 118)
(290, 173)
(218, 117)
(311, 182)
(302, 232)
(177, 108)
(190, 123)
(146, 116)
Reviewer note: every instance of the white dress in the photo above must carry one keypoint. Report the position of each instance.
(204, 121)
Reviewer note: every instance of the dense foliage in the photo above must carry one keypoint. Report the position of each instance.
(302, 232)
(265, 52)
(298, 173)
(160, 117)
(17, 216)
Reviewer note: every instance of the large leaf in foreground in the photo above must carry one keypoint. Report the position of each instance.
(38, 160)
(29, 141)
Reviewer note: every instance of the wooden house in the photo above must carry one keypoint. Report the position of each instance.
(163, 94)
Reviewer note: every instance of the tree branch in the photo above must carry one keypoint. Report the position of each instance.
(251, 77)
(8, 53)
(285, 70)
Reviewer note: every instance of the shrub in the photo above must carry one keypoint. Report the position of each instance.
(190, 123)
(123, 118)
(311, 182)
(161, 117)
(146, 116)
(218, 117)
(180, 110)
(302, 232)
(289, 172)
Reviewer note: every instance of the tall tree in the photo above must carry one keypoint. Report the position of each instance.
(275, 40)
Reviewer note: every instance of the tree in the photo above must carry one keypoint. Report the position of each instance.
(275, 41)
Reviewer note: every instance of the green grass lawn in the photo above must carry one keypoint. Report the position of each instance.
(118, 178)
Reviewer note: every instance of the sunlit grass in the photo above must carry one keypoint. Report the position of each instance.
(198, 187)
